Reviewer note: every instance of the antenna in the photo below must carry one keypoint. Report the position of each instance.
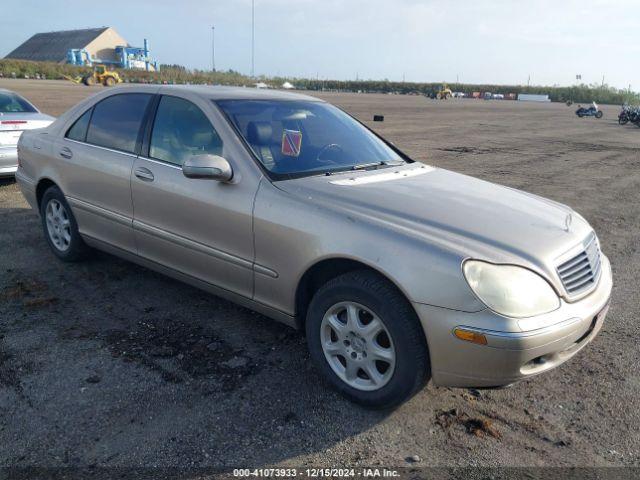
(213, 48)
(253, 43)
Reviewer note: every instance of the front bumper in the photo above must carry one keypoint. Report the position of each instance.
(516, 349)
(8, 161)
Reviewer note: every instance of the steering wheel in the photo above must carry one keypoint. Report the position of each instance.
(326, 148)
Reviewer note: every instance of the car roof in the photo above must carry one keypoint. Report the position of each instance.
(214, 92)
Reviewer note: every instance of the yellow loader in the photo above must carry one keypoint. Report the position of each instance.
(100, 75)
(444, 93)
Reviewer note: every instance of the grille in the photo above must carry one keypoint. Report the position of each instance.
(581, 272)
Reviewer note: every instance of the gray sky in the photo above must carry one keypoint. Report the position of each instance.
(497, 41)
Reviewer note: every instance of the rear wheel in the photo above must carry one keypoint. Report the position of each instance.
(366, 340)
(109, 81)
(60, 227)
(623, 120)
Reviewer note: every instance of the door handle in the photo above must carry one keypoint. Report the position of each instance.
(66, 152)
(144, 174)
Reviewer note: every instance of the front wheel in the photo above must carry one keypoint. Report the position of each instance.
(623, 120)
(60, 227)
(599, 114)
(366, 340)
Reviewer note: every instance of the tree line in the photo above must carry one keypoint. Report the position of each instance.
(171, 74)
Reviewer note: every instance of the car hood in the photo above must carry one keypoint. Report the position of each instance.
(470, 216)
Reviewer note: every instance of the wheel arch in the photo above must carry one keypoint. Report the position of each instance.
(41, 187)
(324, 270)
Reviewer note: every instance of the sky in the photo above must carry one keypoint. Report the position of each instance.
(543, 42)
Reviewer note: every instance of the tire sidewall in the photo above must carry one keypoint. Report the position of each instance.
(403, 380)
(76, 247)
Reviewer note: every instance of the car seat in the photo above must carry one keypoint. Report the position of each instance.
(260, 137)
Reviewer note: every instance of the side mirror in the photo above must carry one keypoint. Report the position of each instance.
(207, 166)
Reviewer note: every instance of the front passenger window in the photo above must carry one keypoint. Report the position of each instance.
(180, 130)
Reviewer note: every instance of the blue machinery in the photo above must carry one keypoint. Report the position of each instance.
(127, 57)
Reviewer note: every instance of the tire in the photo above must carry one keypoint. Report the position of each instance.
(65, 240)
(401, 340)
(599, 114)
(109, 82)
(623, 120)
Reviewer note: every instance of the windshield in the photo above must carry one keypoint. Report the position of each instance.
(296, 138)
(12, 103)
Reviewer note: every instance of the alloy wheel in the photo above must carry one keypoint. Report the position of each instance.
(58, 225)
(357, 346)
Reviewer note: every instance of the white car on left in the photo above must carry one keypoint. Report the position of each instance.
(16, 115)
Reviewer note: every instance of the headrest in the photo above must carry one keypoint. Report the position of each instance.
(259, 133)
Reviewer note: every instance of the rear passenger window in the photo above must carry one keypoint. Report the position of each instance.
(116, 121)
(180, 130)
(78, 130)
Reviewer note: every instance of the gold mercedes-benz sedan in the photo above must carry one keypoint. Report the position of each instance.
(398, 272)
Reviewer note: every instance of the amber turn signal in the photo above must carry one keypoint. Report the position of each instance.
(470, 336)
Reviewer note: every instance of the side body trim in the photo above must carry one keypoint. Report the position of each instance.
(102, 212)
(215, 290)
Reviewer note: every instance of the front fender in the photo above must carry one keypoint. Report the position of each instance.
(291, 235)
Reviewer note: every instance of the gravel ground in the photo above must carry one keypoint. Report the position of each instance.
(106, 363)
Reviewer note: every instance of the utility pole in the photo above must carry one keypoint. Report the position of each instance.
(253, 43)
(529, 80)
(213, 48)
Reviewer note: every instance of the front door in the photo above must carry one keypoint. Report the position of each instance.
(199, 227)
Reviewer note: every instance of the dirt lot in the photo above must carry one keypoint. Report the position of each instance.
(106, 363)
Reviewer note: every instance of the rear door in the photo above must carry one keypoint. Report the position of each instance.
(97, 154)
(199, 227)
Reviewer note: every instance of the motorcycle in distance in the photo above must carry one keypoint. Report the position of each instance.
(592, 111)
(623, 116)
(629, 114)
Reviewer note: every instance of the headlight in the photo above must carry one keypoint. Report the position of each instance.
(510, 290)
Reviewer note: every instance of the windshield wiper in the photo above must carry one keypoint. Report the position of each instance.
(383, 163)
(363, 166)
